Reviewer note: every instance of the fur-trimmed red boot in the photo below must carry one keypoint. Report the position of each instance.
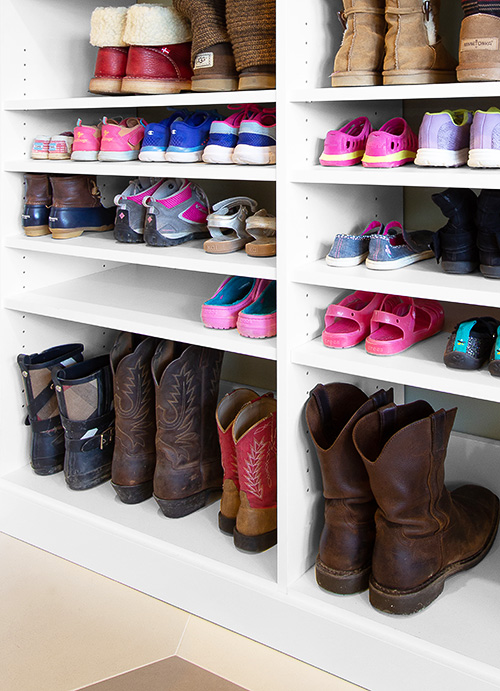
(106, 33)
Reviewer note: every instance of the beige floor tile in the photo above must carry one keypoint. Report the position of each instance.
(63, 627)
(251, 664)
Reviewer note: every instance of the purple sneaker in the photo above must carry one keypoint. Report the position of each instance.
(485, 139)
(443, 139)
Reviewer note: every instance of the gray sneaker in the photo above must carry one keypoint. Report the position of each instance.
(130, 212)
(176, 212)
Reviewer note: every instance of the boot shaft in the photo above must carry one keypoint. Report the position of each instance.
(76, 191)
(37, 189)
(456, 242)
(471, 7)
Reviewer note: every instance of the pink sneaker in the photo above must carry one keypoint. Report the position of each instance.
(87, 141)
(121, 142)
(233, 295)
(258, 320)
(394, 144)
(346, 146)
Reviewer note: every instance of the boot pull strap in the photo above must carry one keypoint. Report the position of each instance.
(342, 16)
(388, 419)
(322, 402)
(426, 10)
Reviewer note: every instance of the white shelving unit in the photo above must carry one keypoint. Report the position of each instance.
(87, 288)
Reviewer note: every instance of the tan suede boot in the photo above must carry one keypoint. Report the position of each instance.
(479, 56)
(359, 59)
(414, 53)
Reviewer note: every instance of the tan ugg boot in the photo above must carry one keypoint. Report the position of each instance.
(479, 53)
(414, 53)
(359, 59)
(106, 33)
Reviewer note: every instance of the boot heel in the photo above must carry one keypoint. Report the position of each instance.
(89, 480)
(177, 508)
(342, 582)
(255, 543)
(226, 525)
(135, 493)
(395, 602)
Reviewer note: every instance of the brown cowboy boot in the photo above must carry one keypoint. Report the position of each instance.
(414, 53)
(424, 532)
(478, 59)
(188, 467)
(134, 456)
(359, 59)
(343, 564)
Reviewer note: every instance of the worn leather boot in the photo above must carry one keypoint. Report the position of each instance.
(76, 207)
(254, 437)
(478, 57)
(47, 434)
(359, 59)
(85, 398)
(414, 53)
(134, 456)
(188, 468)
(488, 232)
(456, 243)
(106, 33)
(424, 532)
(211, 52)
(343, 564)
(37, 202)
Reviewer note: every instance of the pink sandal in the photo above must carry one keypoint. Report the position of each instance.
(401, 322)
(348, 322)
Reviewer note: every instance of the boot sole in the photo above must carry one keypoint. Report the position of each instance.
(206, 84)
(255, 543)
(98, 85)
(226, 525)
(420, 77)
(257, 81)
(134, 494)
(356, 79)
(456, 360)
(63, 234)
(153, 86)
(37, 231)
(89, 480)
(478, 74)
(177, 508)
(409, 602)
(490, 271)
(47, 470)
(459, 267)
(342, 582)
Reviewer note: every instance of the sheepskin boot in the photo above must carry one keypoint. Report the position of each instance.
(359, 59)
(479, 52)
(134, 455)
(251, 25)
(211, 52)
(414, 53)
(159, 57)
(106, 33)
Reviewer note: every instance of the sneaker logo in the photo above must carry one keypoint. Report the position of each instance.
(122, 215)
(204, 60)
(149, 219)
(479, 44)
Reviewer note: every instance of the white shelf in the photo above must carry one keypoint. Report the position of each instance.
(425, 279)
(421, 366)
(411, 92)
(189, 257)
(408, 175)
(152, 301)
(142, 101)
(132, 169)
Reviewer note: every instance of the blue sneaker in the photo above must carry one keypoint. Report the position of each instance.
(189, 137)
(390, 249)
(157, 137)
(223, 135)
(257, 139)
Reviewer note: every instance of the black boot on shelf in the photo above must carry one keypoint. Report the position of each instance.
(456, 243)
(488, 232)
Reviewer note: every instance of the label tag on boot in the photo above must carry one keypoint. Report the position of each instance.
(204, 60)
(479, 44)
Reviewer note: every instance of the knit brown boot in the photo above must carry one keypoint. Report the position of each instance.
(479, 54)
(211, 52)
(414, 53)
(252, 28)
(360, 57)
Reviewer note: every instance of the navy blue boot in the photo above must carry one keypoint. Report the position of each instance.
(76, 207)
(488, 232)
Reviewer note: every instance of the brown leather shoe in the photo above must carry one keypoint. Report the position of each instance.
(424, 532)
(76, 207)
(343, 564)
(38, 199)
(134, 456)
(188, 467)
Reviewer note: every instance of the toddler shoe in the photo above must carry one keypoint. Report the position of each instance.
(390, 248)
(60, 146)
(87, 141)
(258, 320)
(121, 142)
(470, 343)
(485, 140)
(262, 227)
(494, 364)
(347, 322)
(189, 137)
(40, 147)
(130, 212)
(393, 145)
(176, 212)
(350, 250)
(223, 135)
(443, 139)
(257, 139)
(346, 146)
(226, 225)
(233, 295)
(157, 138)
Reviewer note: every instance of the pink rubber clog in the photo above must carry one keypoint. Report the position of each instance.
(401, 322)
(258, 320)
(346, 146)
(394, 144)
(233, 295)
(347, 323)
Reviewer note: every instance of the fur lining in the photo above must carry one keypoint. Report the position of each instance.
(155, 25)
(107, 25)
(430, 27)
